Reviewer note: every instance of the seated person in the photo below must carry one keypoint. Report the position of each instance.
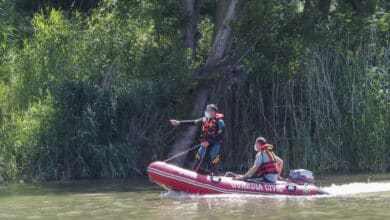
(267, 166)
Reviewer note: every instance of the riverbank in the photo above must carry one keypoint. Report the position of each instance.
(87, 92)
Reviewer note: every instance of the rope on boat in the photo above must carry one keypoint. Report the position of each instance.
(181, 153)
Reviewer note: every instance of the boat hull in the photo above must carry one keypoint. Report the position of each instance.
(176, 178)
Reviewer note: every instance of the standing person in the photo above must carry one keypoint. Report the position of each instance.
(267, 166)
(211, 137)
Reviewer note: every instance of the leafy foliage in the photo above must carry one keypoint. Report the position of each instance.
(87, 87)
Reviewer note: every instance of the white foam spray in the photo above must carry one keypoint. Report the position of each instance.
(357, 188)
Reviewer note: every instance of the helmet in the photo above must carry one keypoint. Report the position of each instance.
(212, 107)
(261, 140)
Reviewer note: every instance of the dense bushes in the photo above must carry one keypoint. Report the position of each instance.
(89, 97)
(323, 101)
(88, 94)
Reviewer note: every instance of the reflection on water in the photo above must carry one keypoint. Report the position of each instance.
(353, 198)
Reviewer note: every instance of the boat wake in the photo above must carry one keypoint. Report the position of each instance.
(357, 188)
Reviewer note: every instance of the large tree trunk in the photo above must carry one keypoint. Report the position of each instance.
(221, 47)
(223, 39)
(192, 8)
(307, 17)
(315, 10)
(219, 15)
(324, 7)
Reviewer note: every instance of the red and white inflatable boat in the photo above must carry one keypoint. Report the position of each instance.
(176, 178)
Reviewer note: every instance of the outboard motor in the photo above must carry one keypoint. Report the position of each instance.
(301, 176)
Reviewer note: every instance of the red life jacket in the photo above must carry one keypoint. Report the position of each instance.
(210, 127)
(268, 167)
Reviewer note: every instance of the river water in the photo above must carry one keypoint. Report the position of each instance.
(364, 196)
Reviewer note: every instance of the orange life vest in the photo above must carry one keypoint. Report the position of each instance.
(268, 167)
(210, 127)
